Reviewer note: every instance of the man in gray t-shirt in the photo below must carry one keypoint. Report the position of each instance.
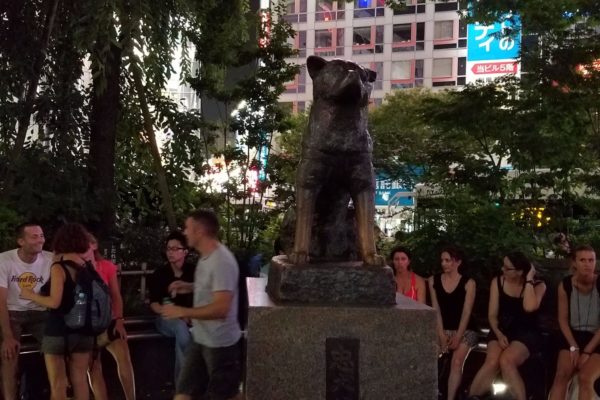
(212, 365)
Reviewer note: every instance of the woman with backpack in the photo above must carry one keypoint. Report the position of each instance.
(59, 341)
(579, 321)
(115, 337)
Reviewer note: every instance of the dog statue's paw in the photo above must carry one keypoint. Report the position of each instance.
(374, 260)
(299, 258)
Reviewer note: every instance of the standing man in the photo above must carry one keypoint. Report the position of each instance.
(24, 267)
(212, 366)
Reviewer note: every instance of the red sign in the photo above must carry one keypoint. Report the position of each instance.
(506, 67)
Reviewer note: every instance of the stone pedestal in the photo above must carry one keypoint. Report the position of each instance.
(339, 283)
(314, 352)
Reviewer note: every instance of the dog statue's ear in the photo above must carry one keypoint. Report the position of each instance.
(315, 64)
(372, 75)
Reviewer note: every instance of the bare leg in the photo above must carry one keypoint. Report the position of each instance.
(57, 376)
(96, 378)
(564, 372)
(9, 377)
(510, 360)
(588, 375)
(78, 366)
(456, 369)
(120, 351)
(364, 204)
(484, 378)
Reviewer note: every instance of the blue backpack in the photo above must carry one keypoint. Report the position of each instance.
(91, 313)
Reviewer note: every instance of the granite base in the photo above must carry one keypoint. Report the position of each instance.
(313, 352)
(340, 283)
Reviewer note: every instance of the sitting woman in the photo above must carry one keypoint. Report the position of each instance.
(407, 282)
(59, 342)
(515, 297)
(579, 321)
(177, 269)
(453, 295)
(115, 338)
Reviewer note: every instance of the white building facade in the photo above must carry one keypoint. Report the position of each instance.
(422, 45)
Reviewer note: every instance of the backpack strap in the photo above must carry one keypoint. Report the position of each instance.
(568, 286)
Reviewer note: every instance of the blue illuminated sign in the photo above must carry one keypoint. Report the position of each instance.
(391, 193)
(490, 42)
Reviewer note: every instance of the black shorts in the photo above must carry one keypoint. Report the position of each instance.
(581, 337)
(531, 339)
(213, 373)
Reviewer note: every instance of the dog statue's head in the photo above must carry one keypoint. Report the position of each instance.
(340, 81)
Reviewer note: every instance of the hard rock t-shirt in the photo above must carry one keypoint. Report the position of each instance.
(16, 274)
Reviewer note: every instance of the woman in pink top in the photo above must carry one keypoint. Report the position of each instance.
(115, 338)
(407, 282)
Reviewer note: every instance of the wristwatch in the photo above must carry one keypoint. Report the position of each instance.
(573, 348)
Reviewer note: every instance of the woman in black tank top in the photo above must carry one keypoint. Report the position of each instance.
(453, 295)
(515, 298)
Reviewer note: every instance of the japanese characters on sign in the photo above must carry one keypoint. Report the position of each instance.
(493, 50)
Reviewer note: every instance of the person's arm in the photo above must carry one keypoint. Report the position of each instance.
(10, 345)
(57, 282)
(117, 305)
(421, 290)
(467, 308)
(493, 308)
(532, 293)
(439, 322)
(217, 309)
(563, 322)
(181, 287)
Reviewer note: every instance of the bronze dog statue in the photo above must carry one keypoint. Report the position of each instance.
(336, 154)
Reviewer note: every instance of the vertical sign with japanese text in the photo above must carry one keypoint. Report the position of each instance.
(493, 50)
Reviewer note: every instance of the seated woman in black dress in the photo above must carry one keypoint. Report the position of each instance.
(515, 297)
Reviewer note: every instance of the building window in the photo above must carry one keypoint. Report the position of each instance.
(462, 34)
(443, 30)
(377, 67)
(298, 42)
(411, 7)
(295, 11)
(329, 10)
(461, 71)
(444, 36)
(298, 85)
(407, 74)
(329, 42)
(408, 37)
(369, 8)
(446, 6)
(442, 68)
(367, 40)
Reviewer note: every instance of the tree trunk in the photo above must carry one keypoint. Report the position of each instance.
(30, 94)
(149, 132)
(104, 117)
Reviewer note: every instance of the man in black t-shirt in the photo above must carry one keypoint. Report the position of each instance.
(177, 269)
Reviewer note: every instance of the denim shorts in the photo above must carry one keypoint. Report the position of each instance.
(213, 373)
(71, 343)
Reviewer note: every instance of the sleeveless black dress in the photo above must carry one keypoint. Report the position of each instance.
(514, 322)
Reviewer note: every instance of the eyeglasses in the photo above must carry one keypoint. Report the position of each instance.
(175, 248)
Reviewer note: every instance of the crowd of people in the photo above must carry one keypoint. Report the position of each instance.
(515, 334)
(195, 304)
